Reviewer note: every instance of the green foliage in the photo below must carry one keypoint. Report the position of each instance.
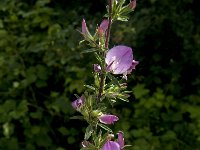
(164, 113)
(160, 121)
(40, 67)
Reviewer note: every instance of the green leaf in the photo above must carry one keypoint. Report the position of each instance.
(8, 129)
(98, 139)
(123, 99)
(90, 50)
(63, 131)
(123, 18)
(104, 127)
(140, 91)
(81, 42)
(113, 79)
(98, 57)
(77, 117)
(90, 87)
(88, 132)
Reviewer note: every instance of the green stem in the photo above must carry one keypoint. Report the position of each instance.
(109, 24)
(102, 75)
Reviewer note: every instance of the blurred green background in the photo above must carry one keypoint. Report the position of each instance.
(41, 68)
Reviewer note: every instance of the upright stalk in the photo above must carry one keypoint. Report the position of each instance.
(102, 75)
(109, 24)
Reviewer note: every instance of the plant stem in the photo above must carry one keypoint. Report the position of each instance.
(102, 76)
(109, 24)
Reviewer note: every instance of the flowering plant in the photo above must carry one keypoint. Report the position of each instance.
(111, 62)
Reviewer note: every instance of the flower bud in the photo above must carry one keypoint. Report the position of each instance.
(84, 27)
(108, 119)
(132, 4)
(77, 104)
(103, 27)
(96, 113)
(85, 32)
(120, 140)
(97, 68)
(110, 136)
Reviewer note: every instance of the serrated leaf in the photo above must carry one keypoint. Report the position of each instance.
(104, 127)
(88, 132)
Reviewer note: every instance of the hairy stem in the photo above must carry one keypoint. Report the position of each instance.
(102, 76)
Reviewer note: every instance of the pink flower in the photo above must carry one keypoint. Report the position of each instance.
(111, 145)
(103, 27)
(132, 4)
(77, 104)
(134, 63)
(108, 119)
(84, 27)
(97, 68)
(120, 140)
(119, 60)
(85, 32)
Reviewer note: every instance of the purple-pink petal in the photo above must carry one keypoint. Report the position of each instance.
(119, 59)
(111, 145)
(104, 25)
(84, 27)
(132, 4)
(120, 140)
(108, 119)
(78, 103)
(97, 67)
(134, 64)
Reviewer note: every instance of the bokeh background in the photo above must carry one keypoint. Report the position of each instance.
(42, 67)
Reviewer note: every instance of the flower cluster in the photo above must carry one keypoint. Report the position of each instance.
(103, 118)
(118, 60)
